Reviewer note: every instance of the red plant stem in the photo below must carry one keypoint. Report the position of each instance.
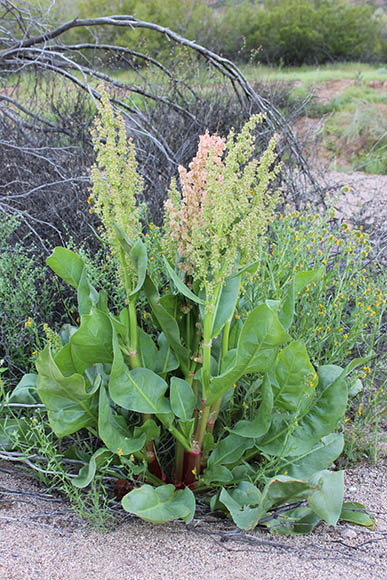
(191, 465)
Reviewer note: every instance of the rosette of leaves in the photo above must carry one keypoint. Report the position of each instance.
(88, 383)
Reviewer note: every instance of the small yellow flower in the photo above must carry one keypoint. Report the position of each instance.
(194, 471)
(285, 472)
(235, 385)
(120, 452)
(28, 322)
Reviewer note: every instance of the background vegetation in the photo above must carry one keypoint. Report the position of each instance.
(276, 32)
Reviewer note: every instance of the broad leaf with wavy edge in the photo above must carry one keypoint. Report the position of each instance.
(161, 504)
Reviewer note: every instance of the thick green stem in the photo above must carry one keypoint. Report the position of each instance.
(206, 347)
(206, 375)
(202, 424)
(216, 406)
(134, 359)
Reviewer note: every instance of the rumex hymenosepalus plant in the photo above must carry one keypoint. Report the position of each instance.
(138, 390)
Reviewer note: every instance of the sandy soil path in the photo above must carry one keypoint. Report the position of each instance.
(42, 539)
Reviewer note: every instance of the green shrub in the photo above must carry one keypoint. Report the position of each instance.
(21, 300)
(30, 297)
(300, 31)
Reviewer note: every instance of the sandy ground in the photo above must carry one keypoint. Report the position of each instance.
(40, 538)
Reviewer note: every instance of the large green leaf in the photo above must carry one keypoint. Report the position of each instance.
(70, 406)
(113, 430)
(147, 350)
(138, 390)
(180, 284)
(236, 329)
(216, 474)
(66, 264)
(25, 391)
(294, 377)
(87, 472)
(92, 343)
(137, 254)
(229, 450)
(121, 324)
(285, 489)
(321, 456)
(86, 294)
(327, 500)
(139, 258)
(226, 304)
(243, 503)
(288, 437)
(247, 505)
(298, 283)
(182, 398)
(257, 346)
(166, 360)
(161, 504)
(65, 362)
(260, 425)
(167, 323)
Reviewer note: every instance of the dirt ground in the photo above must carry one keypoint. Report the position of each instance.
(40, 538)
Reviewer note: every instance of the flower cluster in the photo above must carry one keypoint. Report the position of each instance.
(116, 183)
(224, 206)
